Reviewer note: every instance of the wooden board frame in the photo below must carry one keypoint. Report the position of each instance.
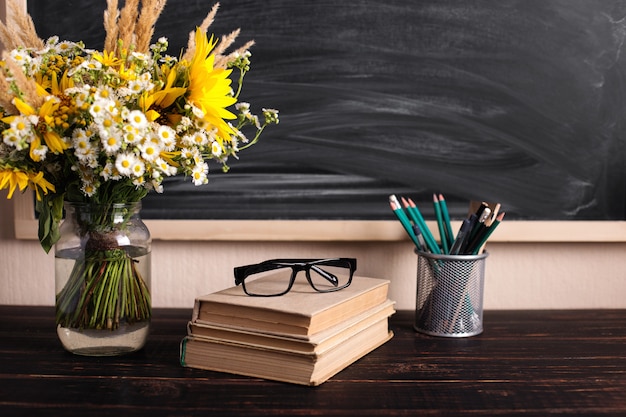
(516, 231)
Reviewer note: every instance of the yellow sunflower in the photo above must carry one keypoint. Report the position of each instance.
(209, 88)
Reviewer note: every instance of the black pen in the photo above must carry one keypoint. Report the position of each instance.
(480, 225)
(488, 231)
(461, 237)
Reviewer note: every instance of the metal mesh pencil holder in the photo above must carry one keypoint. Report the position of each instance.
(449, 299)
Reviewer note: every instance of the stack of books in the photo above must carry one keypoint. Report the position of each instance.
(303, 337)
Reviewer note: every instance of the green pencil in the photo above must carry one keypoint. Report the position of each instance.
(446, 218)
(419, 220)
(440, 225)
(404, 220)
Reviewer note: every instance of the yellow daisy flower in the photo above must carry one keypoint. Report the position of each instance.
(53, 84)
(14, 179)
(53, 140)
(107, 59)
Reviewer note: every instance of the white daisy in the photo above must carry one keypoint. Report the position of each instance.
(80, 141)
(216, 149)
(243, 107)
(40, 152)
(64, 46)
(200, 138)
(199, 174)
(88, 157)
(88, 188)
(184, 124)
(98, 109)
(189, 154)
(164, 167)
(91, 65)
(124, 163)
(138, 168)
(157, 186)
(149, 150)
(109, 172)
(106, 94)
(167, 135)
(197, 112)
(140, 56)
(131, 134)
(11, 138)
(135, 87)
(166, 142)
(21, 126)
(111, 143)
(137, 119)
(52, 41)
(139, 182)
(20, 56)
(81, 96)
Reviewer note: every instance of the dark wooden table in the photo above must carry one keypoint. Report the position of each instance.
(530, 363)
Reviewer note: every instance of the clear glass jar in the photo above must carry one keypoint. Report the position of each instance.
(103, 279)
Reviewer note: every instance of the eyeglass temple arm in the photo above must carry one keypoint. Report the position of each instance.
(327, 275)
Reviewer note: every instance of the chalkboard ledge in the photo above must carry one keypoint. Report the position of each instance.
(340, 230)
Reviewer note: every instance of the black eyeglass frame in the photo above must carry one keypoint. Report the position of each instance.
(296, 265)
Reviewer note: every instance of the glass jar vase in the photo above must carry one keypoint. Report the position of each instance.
(103, 279)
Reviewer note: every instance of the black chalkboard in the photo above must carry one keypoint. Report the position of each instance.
(520, 102)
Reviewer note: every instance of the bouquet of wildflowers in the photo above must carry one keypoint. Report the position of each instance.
(105, 127)
(108, 126)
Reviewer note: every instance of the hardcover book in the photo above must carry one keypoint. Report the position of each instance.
(317, 344)
(301, 312)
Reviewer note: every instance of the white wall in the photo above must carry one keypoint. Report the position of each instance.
(518, 275)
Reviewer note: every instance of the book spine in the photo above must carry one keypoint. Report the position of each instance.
(196, 310)
(183, 350)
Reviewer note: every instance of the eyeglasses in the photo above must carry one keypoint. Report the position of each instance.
(277, 276)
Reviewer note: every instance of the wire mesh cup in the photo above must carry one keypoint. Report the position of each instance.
(449, 299)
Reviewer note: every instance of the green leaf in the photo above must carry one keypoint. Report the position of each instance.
(50, 210)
